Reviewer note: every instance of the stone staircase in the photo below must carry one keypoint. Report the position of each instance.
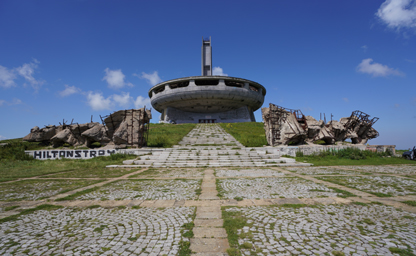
(208, 145)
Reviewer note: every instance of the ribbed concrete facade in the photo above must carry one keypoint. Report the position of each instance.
(207, 99)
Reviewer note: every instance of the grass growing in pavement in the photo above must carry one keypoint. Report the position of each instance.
(10, 208)
(342, 193)
(46, 207)
(249, 134)
(167, 135)
(95, 173)
(402, 252)
(77, 194)
(37, 189)
(411, 203)
(220, 190)
(232, 222)
(11, 170)
(396, 185)
(351, 156)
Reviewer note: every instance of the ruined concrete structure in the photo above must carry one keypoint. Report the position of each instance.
(290, 127)
(120, 129)
(207, 98)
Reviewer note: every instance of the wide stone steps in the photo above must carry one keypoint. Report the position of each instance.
(217, 155)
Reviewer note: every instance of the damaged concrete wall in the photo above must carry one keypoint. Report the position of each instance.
(290, 127)
(120, 129)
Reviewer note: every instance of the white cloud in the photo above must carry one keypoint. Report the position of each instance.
(15, 101)
(122, 100)
(345, 99)
(398, 13)
(141, 102)
(27, 70)
(217, 71)
(98, 102)
(152, 78)
(376, 69)
(6, 77)
(365, 48)
(3, 138)
(115, 79)
(69, 90)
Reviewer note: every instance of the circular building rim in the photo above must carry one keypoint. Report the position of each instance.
(202, 78)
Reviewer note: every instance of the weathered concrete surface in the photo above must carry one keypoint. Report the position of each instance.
(290, 127)
(213, 98)
(122, 128)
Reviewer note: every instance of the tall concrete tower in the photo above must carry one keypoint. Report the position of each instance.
(208, 98)
(206, 57)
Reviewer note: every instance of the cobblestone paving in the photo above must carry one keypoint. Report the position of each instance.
(351, 229)
(97, 231)
(397, 169)
(273, 188)
(247, 172)
(378, 185)
(170, 173)
(145, 190)
(38, 189)
(321, 171)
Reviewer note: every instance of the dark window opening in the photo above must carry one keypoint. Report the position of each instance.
(179, 85)
(160, 89)
(234, 84)
(207, 121)
(207, 82)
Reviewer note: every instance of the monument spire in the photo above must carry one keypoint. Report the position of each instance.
(206, 57)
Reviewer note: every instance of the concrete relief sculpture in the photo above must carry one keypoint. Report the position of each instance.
(121, 129)
(290, 127)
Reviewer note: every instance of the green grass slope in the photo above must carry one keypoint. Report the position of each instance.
(249, 134)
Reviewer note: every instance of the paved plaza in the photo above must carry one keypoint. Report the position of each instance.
(208, 210)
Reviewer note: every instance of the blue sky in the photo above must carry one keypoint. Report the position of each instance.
(73, 59)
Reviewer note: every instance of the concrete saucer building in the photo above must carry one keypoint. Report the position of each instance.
(207, 98)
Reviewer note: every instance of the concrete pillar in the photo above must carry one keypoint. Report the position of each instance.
(246, 86)
(221, 83)
(192, 83)
(206, 57)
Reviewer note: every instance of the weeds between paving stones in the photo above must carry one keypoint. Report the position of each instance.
(37, 189)
(323, 171)
(292, 222)
(408, 169)
(103, 227)
(10, 208)
(45, 207)
(411, 203)
(232, 222)
(144, 189)
(272, 187)
(381, 186)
